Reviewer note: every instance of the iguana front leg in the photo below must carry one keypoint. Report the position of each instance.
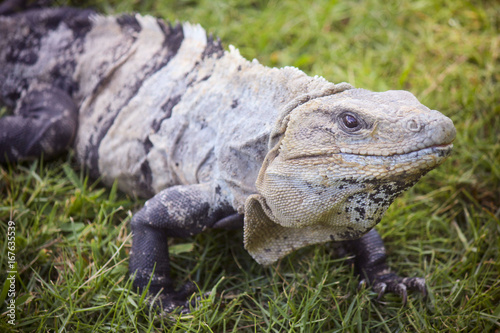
(44, 123)
(179, 211)
(370, 264)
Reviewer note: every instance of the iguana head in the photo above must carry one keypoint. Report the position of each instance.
(340, 162)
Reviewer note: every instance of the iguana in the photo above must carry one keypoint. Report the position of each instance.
(214, 140)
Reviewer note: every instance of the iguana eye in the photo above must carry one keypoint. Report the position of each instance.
(350, 122)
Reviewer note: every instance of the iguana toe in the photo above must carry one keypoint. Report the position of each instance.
(417, 284)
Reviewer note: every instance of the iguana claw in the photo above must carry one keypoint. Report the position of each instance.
(380, 289)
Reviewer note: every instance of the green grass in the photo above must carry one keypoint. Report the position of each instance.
(72, 236)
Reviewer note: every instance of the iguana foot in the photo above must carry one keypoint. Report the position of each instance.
(393, 283)
(370, 264)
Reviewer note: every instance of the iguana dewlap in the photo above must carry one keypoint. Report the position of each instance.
(210, 136)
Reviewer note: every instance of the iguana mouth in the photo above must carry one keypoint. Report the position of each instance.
(441, 150)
